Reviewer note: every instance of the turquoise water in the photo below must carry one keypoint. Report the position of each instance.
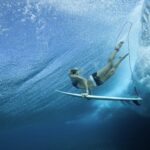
(39, 42)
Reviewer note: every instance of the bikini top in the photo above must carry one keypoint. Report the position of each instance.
(75, 83)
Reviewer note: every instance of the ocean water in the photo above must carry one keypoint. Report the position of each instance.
(40, 40)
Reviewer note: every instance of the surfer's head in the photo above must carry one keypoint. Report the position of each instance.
(74, 71)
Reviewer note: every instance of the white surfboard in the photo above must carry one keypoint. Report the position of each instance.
(96, 97)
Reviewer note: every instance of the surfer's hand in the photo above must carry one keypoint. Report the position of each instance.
(84, 95)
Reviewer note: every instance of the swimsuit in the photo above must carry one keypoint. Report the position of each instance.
(75, 83)
(96, 79)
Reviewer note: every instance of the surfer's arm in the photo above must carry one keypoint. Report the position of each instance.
(83, 81)
(86, 86)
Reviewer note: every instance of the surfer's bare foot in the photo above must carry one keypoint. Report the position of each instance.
(125, 56)
(119, 45)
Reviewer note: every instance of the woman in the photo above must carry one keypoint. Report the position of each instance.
(99, 77)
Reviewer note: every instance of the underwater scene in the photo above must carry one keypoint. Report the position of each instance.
(75, 75)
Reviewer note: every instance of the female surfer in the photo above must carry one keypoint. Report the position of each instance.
(99, 77)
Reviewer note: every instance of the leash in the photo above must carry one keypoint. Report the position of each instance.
(129, 51)
(132, 74)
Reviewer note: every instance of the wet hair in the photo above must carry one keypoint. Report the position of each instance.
(74, 71)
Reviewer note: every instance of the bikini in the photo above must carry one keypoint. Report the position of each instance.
(75, 83)
(96, 79)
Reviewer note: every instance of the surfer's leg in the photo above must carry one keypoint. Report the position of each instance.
(105, 69)
(115, 51)
(120, 60)
(112, 56)
(110, 64)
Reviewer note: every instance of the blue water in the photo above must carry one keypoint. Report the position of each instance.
(39, 42)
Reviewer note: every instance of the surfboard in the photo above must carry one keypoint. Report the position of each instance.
(96, 97)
